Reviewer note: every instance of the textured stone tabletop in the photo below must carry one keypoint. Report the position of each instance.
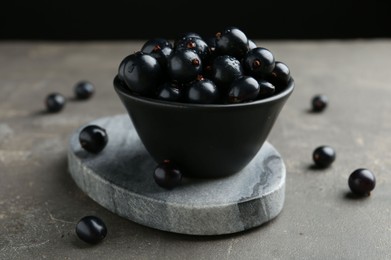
(40, 203)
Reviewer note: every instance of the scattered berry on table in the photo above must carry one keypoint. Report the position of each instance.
(93, 138)
(167, 175)
(84, 89)
(55, 102)
(319, 102)
(91, 229)
(323, 156)
(362, 181)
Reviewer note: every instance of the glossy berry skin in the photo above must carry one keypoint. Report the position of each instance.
(55, 102)
(224, 70)
(91, 229)
(251, 44)
(167, 175)
(186, 35)
(319, 102)
(280, 76)
(202, 91)
(243, 89)
(154, 43)
(266, 89)
(93, 138)
(184, 66)
(211, 41)
(84, 90)
(362, 181)
(232, 41)
(169, 91)
(141, 72)
(196, 44)
(258, 62)
(161, 54)
(323, 156)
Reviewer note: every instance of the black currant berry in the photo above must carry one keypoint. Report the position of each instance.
(84, 90)
(266, 89)
(55, 102)
(319, 102)
(243, 89)
(167, 175)
(161, 54)
(224, 70)
(91, 229)
(211, 41)
(170, 91)
(196, 44)
(323, 156)
(362, 181)
(280, 76)
(232, 41)
(186, 35)
(251, 44)
(141, 72)
(154, 43)
(184, 66)
(93, 138)
(258, 62)
(202, 91)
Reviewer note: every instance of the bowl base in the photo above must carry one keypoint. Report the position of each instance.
(120, 179)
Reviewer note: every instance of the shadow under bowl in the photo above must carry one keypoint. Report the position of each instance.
(205, 141)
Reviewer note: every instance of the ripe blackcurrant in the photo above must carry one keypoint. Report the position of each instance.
(280, 76)
(91, 229)
(232, 41)
(84, 89)
(319, 102)
(169, 91)
(55, 102)
(93, 138)
(224, 70)
(243, 89)
(362, 181)
(258, 62)
(324, 156)
(167, 175)
(266, 89)
(141, 72)
(202, 91)
(184, 65)
(154, 43)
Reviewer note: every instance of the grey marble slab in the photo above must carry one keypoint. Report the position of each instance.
(120, 179)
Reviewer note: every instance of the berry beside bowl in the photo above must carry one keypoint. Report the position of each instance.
(207, 109)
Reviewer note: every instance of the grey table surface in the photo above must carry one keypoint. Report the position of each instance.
(40, 204)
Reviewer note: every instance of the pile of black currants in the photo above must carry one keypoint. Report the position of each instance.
(225, 68)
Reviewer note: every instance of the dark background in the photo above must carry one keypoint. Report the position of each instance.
(120, 19)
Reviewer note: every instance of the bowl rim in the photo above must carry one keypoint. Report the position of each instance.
(125, 92)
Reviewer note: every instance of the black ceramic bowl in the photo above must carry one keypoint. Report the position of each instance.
(206, 141)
